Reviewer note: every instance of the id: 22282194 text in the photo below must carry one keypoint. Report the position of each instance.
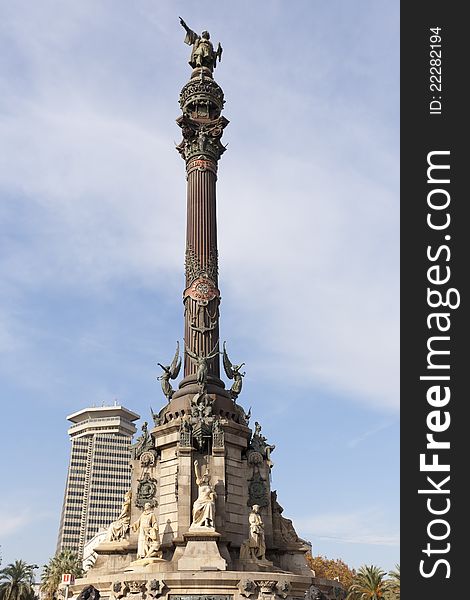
(435, 70)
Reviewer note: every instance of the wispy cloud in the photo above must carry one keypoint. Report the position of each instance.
(369, 433)
(355, 527)
(13, 520)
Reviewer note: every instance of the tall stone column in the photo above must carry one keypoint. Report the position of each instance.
(202, 125)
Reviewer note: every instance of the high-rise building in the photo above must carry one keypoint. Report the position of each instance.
(99, 474)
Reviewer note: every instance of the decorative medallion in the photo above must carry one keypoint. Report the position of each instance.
(146, 491)
(257, 491)
(202, 290)
(156, 588)
(247, 587)
(147, 458)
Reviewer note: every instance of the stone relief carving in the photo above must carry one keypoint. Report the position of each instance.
(247, 587)
(313, 593)
(144, 443)
(146, 491)
(283, 588)
(119, 528)
(89, 593)
(218, 436)
(156, 587)
(185, 433)
(201, 408)
(258, 444)
(120, 590)
(257, 491)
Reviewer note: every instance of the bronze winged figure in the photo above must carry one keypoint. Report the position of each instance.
(233, 372)
(170, 372)
(202, 364)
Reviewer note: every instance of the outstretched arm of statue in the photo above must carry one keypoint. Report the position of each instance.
(197, 472)
(184, 25)
(191, 36)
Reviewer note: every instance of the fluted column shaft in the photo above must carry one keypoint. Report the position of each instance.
(201, 329)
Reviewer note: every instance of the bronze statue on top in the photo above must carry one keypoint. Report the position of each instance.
(203, 53)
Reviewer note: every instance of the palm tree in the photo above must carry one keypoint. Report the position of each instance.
(393, 584)
(16, 581)
(368, 584)
(65, 561)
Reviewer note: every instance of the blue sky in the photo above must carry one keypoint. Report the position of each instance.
(92, 244)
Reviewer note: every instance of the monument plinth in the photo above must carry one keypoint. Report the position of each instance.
(200, 518)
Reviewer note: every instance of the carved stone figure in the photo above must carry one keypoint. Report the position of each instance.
(257, 542)
(143, 443)
(313, 593)
(153, 543)
(143, 524)
(202, 365)
(247, 587)
(283, 528)
(201, 405)
(203, 54)
(170, 372)
(119, 528)
(233, 372)
(89, 593)
(204, 505)
(185, 432)
(218, 436)
(259, 443)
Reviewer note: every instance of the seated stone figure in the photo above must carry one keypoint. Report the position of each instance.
(119, 528)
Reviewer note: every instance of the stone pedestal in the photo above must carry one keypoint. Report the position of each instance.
(201, 552)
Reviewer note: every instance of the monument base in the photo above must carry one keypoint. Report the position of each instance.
(249, 564)
(120, 547)
(143, 562)
(201, 552)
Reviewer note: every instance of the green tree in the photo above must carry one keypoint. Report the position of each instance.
(16, 581)
(393, 584)
(369, 583)
(331, 569)
(66, 561)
